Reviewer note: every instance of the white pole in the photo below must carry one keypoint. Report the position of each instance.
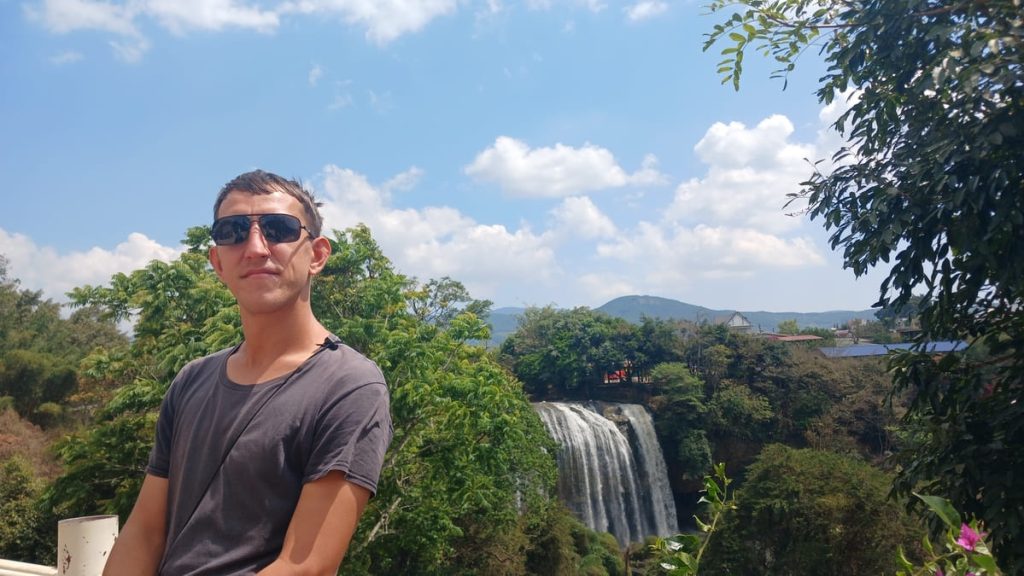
(83, 544)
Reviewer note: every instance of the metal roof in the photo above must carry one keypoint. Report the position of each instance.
(858, 350)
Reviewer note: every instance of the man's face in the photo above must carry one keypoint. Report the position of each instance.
(265, 277)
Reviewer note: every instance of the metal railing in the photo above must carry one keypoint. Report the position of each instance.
(12, 568)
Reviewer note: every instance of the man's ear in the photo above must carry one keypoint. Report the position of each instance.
(321, 252)
(215, 260)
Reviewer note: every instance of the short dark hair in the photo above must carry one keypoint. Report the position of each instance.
(261, 182)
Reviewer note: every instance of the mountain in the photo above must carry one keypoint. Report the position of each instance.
(504, 321)
(633, 308)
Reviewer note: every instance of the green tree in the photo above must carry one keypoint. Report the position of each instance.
(40, 350)
(34, 378)
(788, 327)
(439, 301)
(680, 419)
(931, 181)
(892, 317)
(25, 533)
(565, 353)
(811, 512)
(657, 341)
(827, 336)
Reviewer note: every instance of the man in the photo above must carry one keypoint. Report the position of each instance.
(266, 453)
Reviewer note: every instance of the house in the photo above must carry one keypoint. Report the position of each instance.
(737, 323)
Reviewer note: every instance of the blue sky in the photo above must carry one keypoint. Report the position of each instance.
(541, 152)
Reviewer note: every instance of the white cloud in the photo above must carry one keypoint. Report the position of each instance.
(130, 51)
(43, 268)
(750, 172)
(405, 181)
(384, 20)
(666, 257)
(578, 217)
(645, 10)
(63, 16)
(381, 103)
(437, 241)
(180, 16)
(829, 140)
(556, 171)
(592, 5)
(315, 73)
(342, 95)
(67, 57)
(724, 229)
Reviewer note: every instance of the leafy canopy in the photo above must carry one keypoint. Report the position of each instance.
(931, 182)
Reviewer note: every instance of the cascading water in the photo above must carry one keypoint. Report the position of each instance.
(613, 480)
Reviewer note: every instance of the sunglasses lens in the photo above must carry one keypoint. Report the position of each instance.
(230, 230)
(278, 228)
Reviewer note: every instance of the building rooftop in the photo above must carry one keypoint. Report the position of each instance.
(858, 350)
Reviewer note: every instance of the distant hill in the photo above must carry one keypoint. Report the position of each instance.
(504, 321)
(633, 308)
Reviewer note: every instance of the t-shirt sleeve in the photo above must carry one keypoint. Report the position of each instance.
(160, 455)
(352, 435)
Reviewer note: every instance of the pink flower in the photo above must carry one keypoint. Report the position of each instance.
(968, 537)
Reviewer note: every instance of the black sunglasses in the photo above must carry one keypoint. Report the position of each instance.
(275, 228)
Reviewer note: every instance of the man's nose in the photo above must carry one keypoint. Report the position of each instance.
(256, 245)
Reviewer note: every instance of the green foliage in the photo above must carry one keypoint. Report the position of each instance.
(875, 332)
(680, 555)
(566, 353)
(800, 511)
(679, 417)
(600, 555)
(440, 301)
(39, 350)
(828, 337)
(931, 183)
(553, 551)
(34, 378)
(891, 316)
(25, 530)
(965, 550)
(739, 411)
(787, 327)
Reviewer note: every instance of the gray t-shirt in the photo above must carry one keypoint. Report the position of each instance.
(331, 413)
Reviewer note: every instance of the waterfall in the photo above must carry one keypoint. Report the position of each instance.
(613, 479)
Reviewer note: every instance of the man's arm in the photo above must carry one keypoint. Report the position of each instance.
(140, 544)
(321, 527)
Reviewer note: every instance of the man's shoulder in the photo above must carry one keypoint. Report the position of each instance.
(347, 362)
(202, 368)
(203, 362)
